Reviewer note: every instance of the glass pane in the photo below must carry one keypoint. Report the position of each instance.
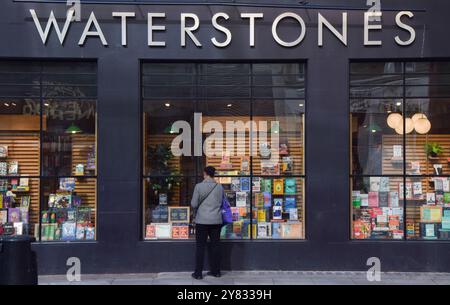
(237, 191)
(226, 136)
(376, 80)
(376, 68)
(377, 148)
(428, 91)
(428, 144)
(69, 144)
(278, 208)
(69, 209)
(19, 137)
(376, 91)
(428, 67)
(19, 79)
(278, 148)
(167, 207)
(428, 208)
(377, 208)
(19, 206)
(161, 119)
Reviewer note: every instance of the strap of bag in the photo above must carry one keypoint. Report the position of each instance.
(207, 195)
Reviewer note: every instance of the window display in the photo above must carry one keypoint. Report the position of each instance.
(247, 121)
(47, 138)
(400, 128)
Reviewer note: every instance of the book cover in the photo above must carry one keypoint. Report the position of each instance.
(287, 165)
(225, 180)
(13, 215)
(265, 150)
(68, 231)
(76, 201)
(3, 216)
(276, 230)
(225, 162)
(375, 184)
(241, 199)
(431, 198)
(290, 186)
(256, 184)
(79, 170)
(291, 230)
(384, 184)
(397, 152)
(235, 213)
(18, 227)
(373, 199)
(245, 184)
(446, 198)
(13, 168)
(277, 212)
(235, 184)
(440, 200)
(266, 185)
(284, 149)
(90, 233)
(290, 203)
(278, 202)
(270, 168)
(3, 151)
(63, 201)
(3, 169)
(245, 165)
(262, 215)
(394, 199)
(383, 199)
(415, 168)
(263, 230)
(24, 215)
(231, 197)
(150, 231)
(81, 232)
(163, 230)
(67, 184)
(278, 186)
(25, 202)
(364, 200)
(356, 199)
(293, 214)
(417, 189)
(267, 197)
(162, 199)
(258, 200)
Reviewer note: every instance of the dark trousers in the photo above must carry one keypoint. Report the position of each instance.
(202, 233)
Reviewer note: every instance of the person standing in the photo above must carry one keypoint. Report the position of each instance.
(207, 201)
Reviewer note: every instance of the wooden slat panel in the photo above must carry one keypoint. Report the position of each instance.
(25, 149)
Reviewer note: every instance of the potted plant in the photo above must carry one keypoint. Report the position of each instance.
(433, 150)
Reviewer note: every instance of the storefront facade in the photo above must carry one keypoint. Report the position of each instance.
(97, 103)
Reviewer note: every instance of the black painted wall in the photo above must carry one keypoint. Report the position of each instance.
(328, 246)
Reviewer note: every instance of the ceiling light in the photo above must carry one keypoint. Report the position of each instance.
(394, 120)
(422, 125)
(167, 105)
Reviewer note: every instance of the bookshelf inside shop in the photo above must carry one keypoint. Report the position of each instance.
(266, 197)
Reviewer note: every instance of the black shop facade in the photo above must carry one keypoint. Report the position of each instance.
(327, 123)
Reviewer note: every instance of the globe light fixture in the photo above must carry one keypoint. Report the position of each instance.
(409, 123)
(394, 120)
(418, 116)
(422, 125)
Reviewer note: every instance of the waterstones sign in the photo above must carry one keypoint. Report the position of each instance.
(189, 24)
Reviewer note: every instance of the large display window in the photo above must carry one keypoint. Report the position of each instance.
(246, 120)
(48, 168)
(400, 150)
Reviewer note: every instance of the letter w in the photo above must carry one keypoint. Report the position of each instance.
(52, 21)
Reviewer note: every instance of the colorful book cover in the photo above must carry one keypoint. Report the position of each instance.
(287, 165)
(266, 185)
(245, 184)
(394, 199)
(373, 199)
(276, 230)
(290, 203)
(68, 231)
(364, 200)
(278, 202)
(3, 151)
(13, 215)
(150, 231)
(235, 214)
(81, 231)
(267, 197)
(256, 184)
(417, 188)
(290, 186)
(241, 199)
(263, 230)
(383, 199)
(24, 215)
(293, 214)
(90, 233)
(67, 184)
(291, 230)
(356, 199)
(63, 201)
(245, 165)
(231, 197)
(3, 216)
(258, 200)
(262, 215)
(278, 186)
(25, 202)
(277, 212)
(235, 184)
(446, 197)
(13, 168)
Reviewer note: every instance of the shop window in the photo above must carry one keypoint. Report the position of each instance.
(48, 149)
(263, 183)
(400, 175)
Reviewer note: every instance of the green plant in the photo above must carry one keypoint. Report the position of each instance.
(433, 149)
(158, 158)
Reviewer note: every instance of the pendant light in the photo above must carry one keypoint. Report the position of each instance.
(422, 125)
(409, 123)
(394, 120)
(73, 129)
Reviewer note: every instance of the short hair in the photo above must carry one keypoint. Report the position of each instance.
(210, 171)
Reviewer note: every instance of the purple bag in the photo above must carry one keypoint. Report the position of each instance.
(227, 216)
